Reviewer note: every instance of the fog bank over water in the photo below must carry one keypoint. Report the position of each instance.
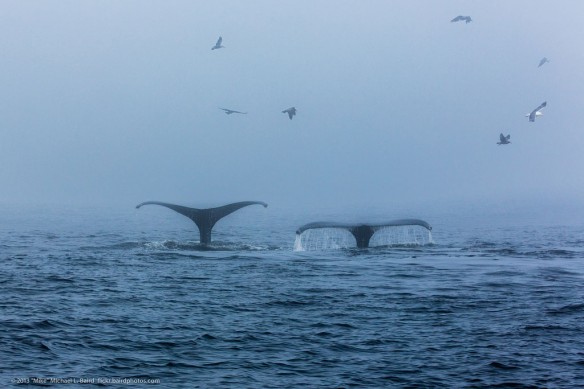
(107, 102)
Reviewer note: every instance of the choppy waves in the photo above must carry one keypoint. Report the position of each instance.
(468, 312)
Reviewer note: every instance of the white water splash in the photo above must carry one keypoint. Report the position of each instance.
(338, 238)
(324, 239)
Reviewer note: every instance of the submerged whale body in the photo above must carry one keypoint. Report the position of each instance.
(205, 219)
(363, 232)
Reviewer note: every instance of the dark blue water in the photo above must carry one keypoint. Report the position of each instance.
(104, 294)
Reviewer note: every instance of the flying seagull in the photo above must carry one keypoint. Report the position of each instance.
(290, 111)
(536, 112)
(218, 44)
(504, 140)
(467, 19)
(542, 62)
(230, 111)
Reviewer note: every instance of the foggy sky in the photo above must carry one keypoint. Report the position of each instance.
(117, 101)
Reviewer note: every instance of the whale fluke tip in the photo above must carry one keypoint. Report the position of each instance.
(205, 219)
(364, 232)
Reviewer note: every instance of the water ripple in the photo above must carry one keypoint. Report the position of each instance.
(471, 313)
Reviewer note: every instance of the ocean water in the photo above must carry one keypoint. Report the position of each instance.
(123, 296)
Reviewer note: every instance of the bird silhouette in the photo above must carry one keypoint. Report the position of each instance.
(218, 44)
(290, 111)
(504, 140)
(459, 18)
(230, 111)
(536, 112)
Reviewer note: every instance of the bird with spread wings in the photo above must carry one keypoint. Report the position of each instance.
(459, 18)
(230, 111)
(290, 111)
(536, 112)
(218, 44)
(504, 140)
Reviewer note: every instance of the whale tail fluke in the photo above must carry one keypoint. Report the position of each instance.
(205, 219)
(362, 232)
